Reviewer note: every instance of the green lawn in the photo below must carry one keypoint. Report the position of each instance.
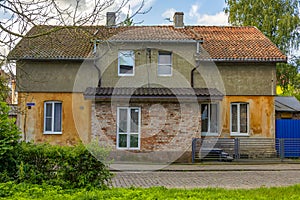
(26, 191)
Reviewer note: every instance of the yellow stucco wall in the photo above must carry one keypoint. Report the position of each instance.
(75, 118)
(261, 115)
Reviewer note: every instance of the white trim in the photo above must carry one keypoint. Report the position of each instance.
(128, 133)
(208, 133)
(52, 117)
(133, 67)
(171, 64)
(238, 133)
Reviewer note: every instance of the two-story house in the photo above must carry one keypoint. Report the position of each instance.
(146, 91)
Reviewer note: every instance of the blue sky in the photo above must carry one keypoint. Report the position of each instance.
(196, 12)
(202, 12)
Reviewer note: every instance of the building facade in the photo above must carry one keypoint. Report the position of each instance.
(146, 91)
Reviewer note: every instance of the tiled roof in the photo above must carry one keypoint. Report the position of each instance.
(199, 93)
(151, 33)
(220, 42)
(287, 104)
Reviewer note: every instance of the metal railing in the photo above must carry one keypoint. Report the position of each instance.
(245, 148)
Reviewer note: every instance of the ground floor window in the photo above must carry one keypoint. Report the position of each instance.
(52, 117)
(128, 127)
(209, 119)
(239, 119)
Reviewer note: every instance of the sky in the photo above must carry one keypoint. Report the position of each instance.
(196, 12)
(200, 12)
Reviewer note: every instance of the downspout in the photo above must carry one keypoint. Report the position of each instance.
(95, 63)
(192, 75)
(99, 73)
(197, 63)
(148, 53)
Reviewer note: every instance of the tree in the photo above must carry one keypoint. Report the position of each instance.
(4, 89)
(287, 77)
(19, 16)
(279, 20)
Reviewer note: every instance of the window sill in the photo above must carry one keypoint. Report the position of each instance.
(125, 74)
(240, 134)
(52, 133)
(120, 148)
(209, 134)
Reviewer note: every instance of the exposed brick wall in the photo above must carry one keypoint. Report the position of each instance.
(165, 127)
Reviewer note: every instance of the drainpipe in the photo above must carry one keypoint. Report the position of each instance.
(99, 73)
(197, 63)
(192, 75)
(95, 62)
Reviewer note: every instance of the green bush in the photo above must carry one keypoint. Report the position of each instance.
(69, 167)
(9, 142)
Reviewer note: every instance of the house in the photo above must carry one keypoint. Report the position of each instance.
(11, 84)
(11, 99)
(287, 107)
(146, 91)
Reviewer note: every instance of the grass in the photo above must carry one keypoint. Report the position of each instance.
(29, 191)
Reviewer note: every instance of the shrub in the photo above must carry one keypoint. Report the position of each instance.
(69, 167)
(9, 141)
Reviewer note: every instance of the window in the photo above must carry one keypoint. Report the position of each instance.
(128, 127)
(164, 64)
(52, 117)
(126, 63)
(209, 119)
(239, 120)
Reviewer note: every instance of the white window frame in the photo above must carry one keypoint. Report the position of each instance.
(128, 133)
(238, 133)
(209, 133)
(171, 64)
(52, 117)
(133, 67)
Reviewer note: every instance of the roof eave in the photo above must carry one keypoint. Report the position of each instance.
(153, 98)
(277, 60)
(50, 59)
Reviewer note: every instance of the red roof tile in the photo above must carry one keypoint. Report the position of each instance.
(220, 43)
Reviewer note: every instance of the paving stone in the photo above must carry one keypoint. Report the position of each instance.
(229, 177)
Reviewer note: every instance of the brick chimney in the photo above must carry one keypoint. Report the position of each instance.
(178, 20)
(110, 19)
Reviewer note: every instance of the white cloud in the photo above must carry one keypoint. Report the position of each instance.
(219, 18)
(193, 13)
(169, 13)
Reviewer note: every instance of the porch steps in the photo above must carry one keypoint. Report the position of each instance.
(247, 148)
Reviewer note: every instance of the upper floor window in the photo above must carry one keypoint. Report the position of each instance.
(126, 63)
(52, 117)
(164, 63)
(239, 119)
(209, 119)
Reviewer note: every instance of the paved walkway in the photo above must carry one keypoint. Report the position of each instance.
(200, 176)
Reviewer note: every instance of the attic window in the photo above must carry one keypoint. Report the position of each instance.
(126, 63)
